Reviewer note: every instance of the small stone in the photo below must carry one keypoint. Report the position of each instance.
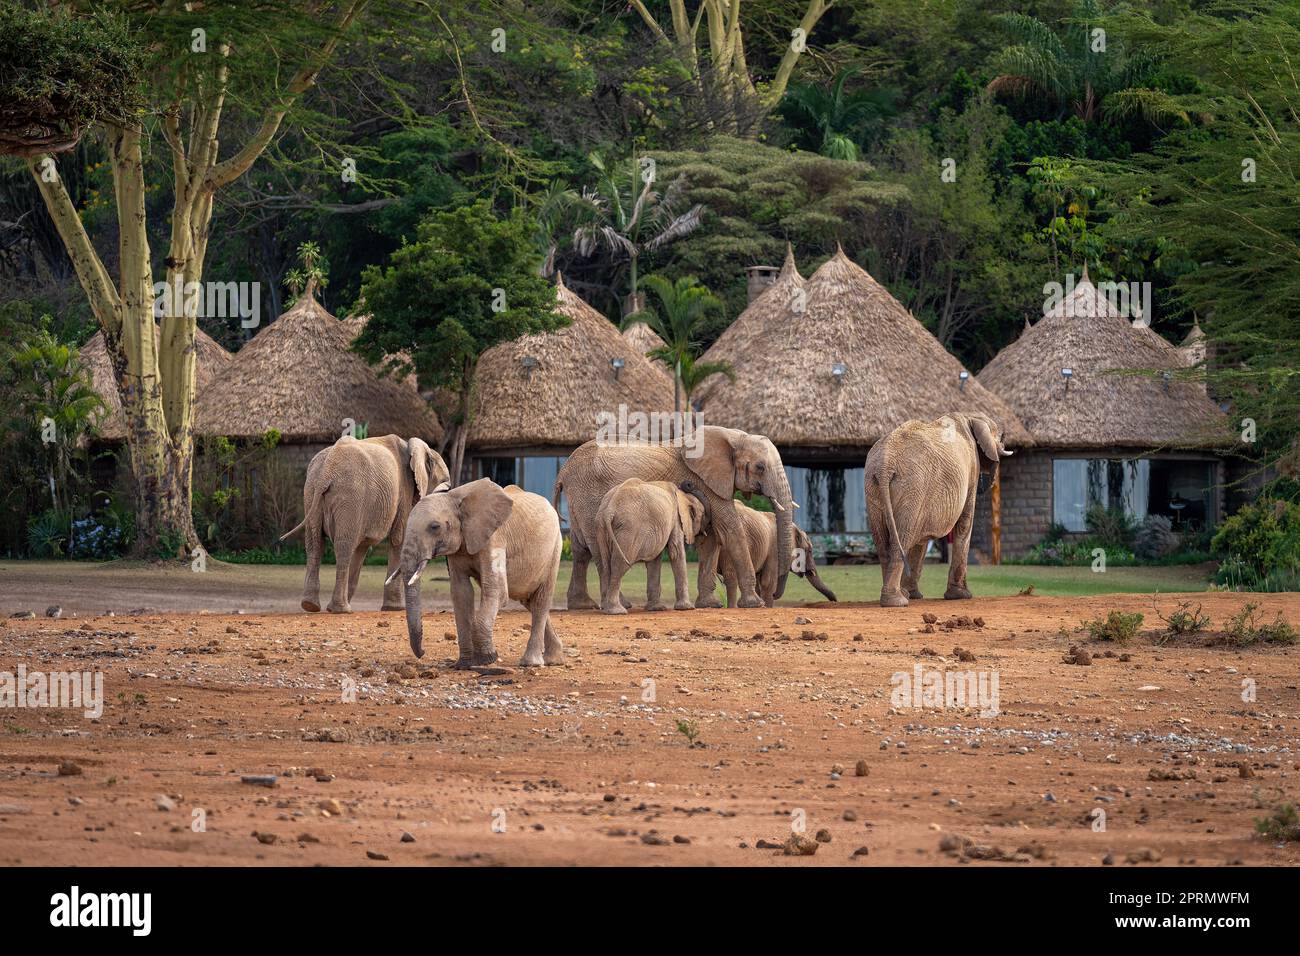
(861, 769)
(69, 769)
(407, 838)
(264, 838)
(258, 780)
(799, 845)
(850, 816)
(681, 839)
(653, 839)
(54, 611)
(372, 855)
(801, 620)
(823, 836)
(861, 851)
(23, 615)
(164, 803)
(332, 807)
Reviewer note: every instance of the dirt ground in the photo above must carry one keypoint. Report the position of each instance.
(586, 763)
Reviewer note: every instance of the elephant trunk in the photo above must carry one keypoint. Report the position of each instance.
(780, 496)
(816, 581)
(414, 619)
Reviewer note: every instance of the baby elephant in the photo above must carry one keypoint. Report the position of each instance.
(760, 539)
(506, 539)
(635, 522)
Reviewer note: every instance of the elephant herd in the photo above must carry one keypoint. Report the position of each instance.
(628, 504)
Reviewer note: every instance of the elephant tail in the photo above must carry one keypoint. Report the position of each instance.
(611, 536)
(310, 520)
(895, 542)
(555, 494)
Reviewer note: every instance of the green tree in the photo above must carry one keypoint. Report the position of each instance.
(468, 282)
(684, 307)
(1076, 68)
(199, 77)
(835, 122)
(627, 216)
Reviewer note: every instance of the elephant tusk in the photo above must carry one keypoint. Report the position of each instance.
(418, 570)
(794, 504)
(777, 505)
(396, 571)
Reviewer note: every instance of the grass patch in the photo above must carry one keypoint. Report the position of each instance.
(1118, 627)
(1244, 628)
(1282, 824)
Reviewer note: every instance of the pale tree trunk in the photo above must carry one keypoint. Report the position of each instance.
(155, 376)
(735, 103)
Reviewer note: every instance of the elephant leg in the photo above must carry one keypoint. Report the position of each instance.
(492, 588)
(393, 598)
(554, 650)
(654, 600)
(345, 549)
(731, 537)
(681, 583)
(709, 553)
(354, 570)
(916, 561)
(578, 598)
(767, 582)
(539, 605)
(957, 589)
(462, 602)
(611, 579)
(311, 584)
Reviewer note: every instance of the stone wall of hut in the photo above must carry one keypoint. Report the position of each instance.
(1026, 506)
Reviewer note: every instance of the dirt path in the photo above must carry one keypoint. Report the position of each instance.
(574, 766)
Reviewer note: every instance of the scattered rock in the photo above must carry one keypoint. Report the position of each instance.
(69, 769)
(823, 836)
(54, 611)
(799, 845)
(407, 838)
(264, 838)
(861, 851)
(861, 769)
(164, 803)
(258, 780)
(373, 855)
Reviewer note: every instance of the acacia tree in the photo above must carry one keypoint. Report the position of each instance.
(720, 72)
(195, 70)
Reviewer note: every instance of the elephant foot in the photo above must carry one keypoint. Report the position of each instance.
(531, 661)
(310, 605)
(749, 600)
(485, 658)
(554, 658)
(338, 608)
(624, 601)
(613, 609)
(915, 594)
(582, 602)
(955, 593)
(392, 607)
(708, 601)
(657, 606)
(462, 664)
(893, 599)
(684, 606)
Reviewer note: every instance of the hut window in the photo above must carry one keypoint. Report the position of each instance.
(1079, 484)
(534, 473)
(831, 499)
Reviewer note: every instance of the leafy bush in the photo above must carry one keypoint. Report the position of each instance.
(1111, 528)
(1118, 627)
(47, 534)
(1244, 628)
(1282, 824)
(1260, 545)
(1183, 620)
(97, 538)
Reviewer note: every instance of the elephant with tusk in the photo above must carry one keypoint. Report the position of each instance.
(359, 492)
(760, 538)
(506, 539)
(921, 481)
(718, 461)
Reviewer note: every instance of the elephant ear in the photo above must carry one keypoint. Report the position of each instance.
(426, 465)
(983, 434)
(484, 507)
(715, 465)
(690, 513)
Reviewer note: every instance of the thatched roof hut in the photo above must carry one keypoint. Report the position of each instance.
(836, 363)
(544, 390)
(1097, 405)
(1194, 349)
(299, 376)
(645, 340)
(210, 359)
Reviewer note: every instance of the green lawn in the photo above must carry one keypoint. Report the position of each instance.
(861, 582)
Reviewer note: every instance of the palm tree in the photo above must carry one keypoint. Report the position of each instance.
(829, 119)
(56, 397)
(626, 217)
(1066, 69)
(691, 371)
(679, 319)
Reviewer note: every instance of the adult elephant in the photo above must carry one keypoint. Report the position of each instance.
(717, 461)
(359, 492)
(920, 485)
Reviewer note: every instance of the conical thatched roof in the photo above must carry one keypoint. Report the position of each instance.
(1194, 349)
(298, 376)
(645, 340)
(355, 324)
(751, 327)
(210, 359)
(1085, 334)
(893, 369)
(556, 403)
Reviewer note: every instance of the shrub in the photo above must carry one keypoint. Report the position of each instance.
(1260, 545)
(1118, 627)
(1183, 620)
(1282, 824)
(1244, 628)
(1111, 528)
